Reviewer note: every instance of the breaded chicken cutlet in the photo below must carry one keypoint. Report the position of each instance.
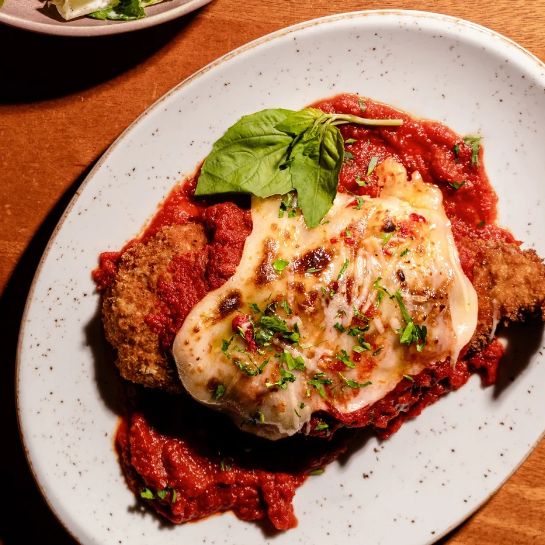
(146, 303)
(510, 285)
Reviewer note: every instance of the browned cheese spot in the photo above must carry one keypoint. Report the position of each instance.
(388, 226)
(265, 272)
(319, 258)
(231, 302)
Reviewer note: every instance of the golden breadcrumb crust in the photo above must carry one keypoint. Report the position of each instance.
(134, 294)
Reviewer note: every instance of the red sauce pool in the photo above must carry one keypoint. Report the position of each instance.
(197, 460)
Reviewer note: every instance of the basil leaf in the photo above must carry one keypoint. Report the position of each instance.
(299, 122)
(275, 151)
(247, 158)
(126, 10)
(315, 172)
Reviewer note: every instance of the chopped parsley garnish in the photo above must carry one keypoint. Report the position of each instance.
(404, 252)
(377, 351)
(386, 237)
(285, 377)
(226, 466)
(285, 204)
(331, 294)
(360, 182)
(313, 270)
(339, 327)
(408, 377)
(344, 267)
(362, 105)
(292, 336)
(343, 357)
(292, 363)
(220, 390)
(353, 384)
(381, 290)
(348, 155)
(359, 333)
(411, 333)
(302, 406)
(295, 411)
(457, 185)
(147, 494)
(292, 213)
(225, 346)
(372, 164)
(318, 382)
(254, 307)
(324, 291)
(357, 313)
(280, 264)
(163, 494)
(267, 326)
(350, 141)
(318, 471)
(481, 224)
(322, 426)
(246, 369)
(262, 418)
(356, 331)
(359, 202)
(474, 143)
(456, 150)
(287, 309)
(340, 313)
(347, 233)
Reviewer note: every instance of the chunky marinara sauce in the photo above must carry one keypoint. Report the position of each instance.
(187, 461)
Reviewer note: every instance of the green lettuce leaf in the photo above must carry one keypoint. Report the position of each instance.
(126, 10)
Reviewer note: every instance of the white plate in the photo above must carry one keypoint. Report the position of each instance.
(441, 466)
(35, 15)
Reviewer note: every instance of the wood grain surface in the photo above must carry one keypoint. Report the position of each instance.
(63, 101)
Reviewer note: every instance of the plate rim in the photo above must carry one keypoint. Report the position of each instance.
(103, 29)
(438, 17)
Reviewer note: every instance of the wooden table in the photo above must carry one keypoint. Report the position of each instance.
(64, 101)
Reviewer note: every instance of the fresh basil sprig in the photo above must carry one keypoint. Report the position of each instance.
(275, 151)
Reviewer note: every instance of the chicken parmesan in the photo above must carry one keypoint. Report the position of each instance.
(363, 279)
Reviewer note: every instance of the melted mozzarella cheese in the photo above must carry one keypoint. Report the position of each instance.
(341, 275)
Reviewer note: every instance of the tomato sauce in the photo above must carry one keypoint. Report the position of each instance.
(172, 443)
(187, 461)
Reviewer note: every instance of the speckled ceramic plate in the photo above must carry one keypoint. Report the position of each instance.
(441, 466)
(37, 16)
